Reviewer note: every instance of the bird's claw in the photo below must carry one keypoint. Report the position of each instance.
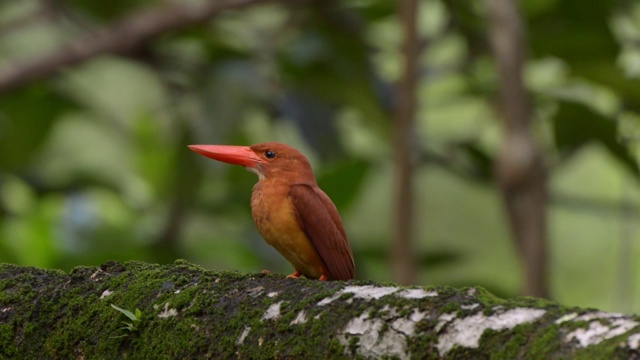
(266, 272)
(295, 275)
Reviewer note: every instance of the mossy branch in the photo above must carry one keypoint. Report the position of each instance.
(189, 312)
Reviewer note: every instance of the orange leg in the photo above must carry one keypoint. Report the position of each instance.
(295, 275)
(323, 277)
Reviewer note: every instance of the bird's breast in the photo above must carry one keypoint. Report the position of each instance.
(275, 218)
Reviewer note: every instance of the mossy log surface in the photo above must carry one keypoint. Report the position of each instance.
(192, 313)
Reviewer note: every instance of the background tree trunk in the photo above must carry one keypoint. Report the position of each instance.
(403, 262)
(520, 171)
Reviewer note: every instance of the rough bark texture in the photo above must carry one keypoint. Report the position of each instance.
(189, 312)
(520, 168)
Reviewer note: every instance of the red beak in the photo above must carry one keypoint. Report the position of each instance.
(237, 155)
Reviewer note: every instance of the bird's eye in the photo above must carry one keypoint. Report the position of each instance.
(270, 154)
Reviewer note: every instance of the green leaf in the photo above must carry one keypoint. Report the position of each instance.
(26, 117)
(481, 163)
(342, 181)
(127, 313)
(576, 124)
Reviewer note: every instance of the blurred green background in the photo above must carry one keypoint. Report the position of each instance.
(94, 164)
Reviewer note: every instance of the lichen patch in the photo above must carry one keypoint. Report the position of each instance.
(243, 336)
(408, 326)
(598, 331)
(301, 318)
(466, 332)
(598, 315)
(167, 312)
(105, 294)
(256, 291)
(374, 340)
(273, 312)
(367, 292)
(634, 341)
(416, 294)
(566, 318)
(98, 275)
(444, 319)
(469, 307)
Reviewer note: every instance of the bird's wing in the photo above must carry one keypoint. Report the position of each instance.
(321, 223)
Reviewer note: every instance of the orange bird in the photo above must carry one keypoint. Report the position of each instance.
(291, 212)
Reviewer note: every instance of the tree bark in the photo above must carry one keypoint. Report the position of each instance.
(188, 312)
(520, 170)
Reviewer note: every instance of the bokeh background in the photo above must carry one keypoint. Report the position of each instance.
(97, 107)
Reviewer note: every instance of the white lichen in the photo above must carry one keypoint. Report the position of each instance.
(367, 292)
(634, 341)
(467, 331)
(106, 293)
(243, 336)
(301, 318)
(255, 291)
(416, 294)
(273, 312)
(598, 331)
(373, 344)
(444, 319)
(602, 326)
(373, 341)
(408, 326)
(167, 312)
(598, 315)
(273, 294)
(97, 275)
(566, 318)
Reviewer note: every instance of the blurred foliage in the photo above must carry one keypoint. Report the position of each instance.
(94, 164)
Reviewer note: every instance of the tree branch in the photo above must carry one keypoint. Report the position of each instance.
(122, 37)
(187, 312)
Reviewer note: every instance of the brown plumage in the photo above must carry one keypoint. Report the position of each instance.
(291, 212)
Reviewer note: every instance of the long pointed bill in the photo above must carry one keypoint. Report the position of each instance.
(238, 155)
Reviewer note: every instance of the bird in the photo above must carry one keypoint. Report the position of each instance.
(291, 212)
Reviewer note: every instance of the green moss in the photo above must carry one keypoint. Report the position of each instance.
(546, 342)
(73, 321)
(449, 307)
(7, 332)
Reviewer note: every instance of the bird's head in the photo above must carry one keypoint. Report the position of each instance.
(270, 160)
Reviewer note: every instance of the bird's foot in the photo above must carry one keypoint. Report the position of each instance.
(266, 272)
(323, 277)
(295, 275)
